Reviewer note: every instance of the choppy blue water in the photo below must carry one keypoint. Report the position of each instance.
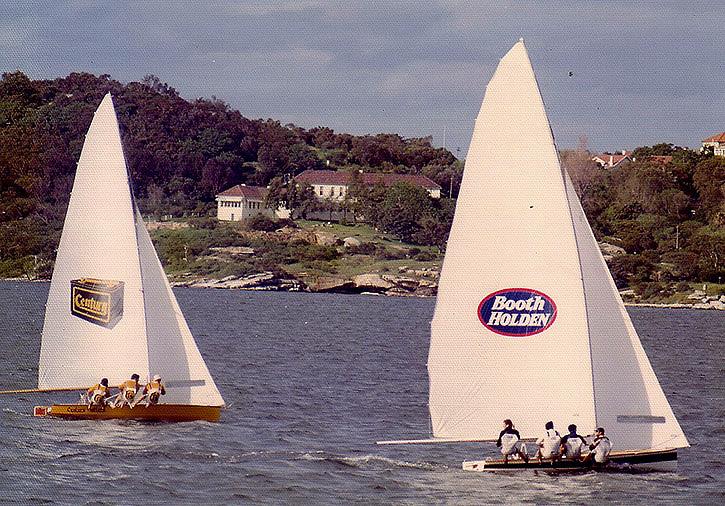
(312, 381)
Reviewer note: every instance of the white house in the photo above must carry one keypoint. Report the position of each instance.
(241, 202)
(717, 143)
(333, 185)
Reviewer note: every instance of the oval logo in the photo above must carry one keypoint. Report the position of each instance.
(517, 312)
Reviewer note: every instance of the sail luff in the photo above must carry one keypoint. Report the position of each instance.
(564, 181)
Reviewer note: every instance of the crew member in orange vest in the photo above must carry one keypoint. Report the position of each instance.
(128, 389)
(154, 390)
(98, 393)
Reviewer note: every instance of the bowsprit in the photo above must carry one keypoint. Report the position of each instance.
(517, 312)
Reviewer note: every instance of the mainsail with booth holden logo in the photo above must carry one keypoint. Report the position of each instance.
(528, 323)
(111, 311)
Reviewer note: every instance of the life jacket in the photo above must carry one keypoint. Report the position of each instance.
(601, 449)
(97, 393)
(573, 447)
(509, 444)
(551, 443)
(129, 389)
(154, 390)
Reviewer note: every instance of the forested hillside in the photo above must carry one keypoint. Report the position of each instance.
(666, 213)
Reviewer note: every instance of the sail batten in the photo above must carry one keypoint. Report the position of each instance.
(528, 323)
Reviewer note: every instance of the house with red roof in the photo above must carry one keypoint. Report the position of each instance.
(333, 185)
(717, 143)
(241, 202)
(612, 161)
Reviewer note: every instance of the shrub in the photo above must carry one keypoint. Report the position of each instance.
(261, 223)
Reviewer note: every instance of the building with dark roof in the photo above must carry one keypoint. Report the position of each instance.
(241, 202)
(332, 185)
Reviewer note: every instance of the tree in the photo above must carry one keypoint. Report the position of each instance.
(709, 181)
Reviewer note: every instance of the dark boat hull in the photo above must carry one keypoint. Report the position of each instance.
(665, 460)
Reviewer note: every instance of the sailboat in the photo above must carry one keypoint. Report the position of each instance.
(111, 311)
(528, 323)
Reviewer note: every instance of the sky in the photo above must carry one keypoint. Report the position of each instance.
(621, 73)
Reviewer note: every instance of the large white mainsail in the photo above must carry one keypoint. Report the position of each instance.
(110, 309)
(560, 345)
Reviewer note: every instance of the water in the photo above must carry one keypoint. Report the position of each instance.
(312, 381)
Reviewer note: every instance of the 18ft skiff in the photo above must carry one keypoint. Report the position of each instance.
(528, 323)
(111, 311)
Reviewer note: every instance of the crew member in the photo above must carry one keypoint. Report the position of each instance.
(128, 389)
(509, 440)
(599, 449)
(154, 390)
(98, 393)
(549, 443)
(571, 444)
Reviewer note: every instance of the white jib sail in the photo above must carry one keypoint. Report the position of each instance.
(628, 399)
(110, 310)
(514, 241)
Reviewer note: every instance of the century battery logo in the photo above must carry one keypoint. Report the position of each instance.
(517, 312)
(98, 301)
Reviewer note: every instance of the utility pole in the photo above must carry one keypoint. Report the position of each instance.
(677, 237)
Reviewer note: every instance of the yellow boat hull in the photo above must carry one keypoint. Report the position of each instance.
(158, 412)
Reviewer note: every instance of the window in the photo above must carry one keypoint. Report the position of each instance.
(321, 193)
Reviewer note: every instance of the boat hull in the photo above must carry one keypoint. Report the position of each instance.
(158, 412)
(657, 460)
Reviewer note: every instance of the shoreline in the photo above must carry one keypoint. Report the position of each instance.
(257, 284)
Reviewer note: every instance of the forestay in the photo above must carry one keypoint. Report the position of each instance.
(528, 324)
(110, 309)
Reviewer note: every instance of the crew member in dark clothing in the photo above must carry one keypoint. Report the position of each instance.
(509, 440)
(572, 443)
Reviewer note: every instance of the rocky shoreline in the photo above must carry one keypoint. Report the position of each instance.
(407, 283)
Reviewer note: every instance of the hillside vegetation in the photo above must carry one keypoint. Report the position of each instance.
(669, 217)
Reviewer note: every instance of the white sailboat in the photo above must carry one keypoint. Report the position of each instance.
(111, 311)
(528, 323)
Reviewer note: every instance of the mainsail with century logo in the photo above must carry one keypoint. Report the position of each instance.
(123, 316)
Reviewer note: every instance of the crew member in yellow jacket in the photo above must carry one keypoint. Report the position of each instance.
(129, 389)
(154, 390)
(98, 393)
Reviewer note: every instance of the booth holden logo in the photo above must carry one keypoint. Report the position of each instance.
(517, 312)
(98, 301)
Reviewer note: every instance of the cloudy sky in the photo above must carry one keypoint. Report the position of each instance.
(623, 73)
